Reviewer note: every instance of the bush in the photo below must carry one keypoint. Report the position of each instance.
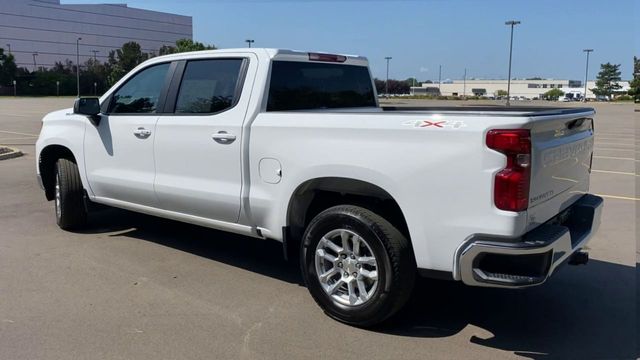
(624, 98)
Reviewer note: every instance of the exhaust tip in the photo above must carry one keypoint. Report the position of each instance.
(579, 258)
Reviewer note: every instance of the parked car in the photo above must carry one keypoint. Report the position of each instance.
(293, 147)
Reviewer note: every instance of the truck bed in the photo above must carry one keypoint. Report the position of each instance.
(525, 111)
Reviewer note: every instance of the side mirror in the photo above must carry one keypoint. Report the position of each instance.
(89, 106)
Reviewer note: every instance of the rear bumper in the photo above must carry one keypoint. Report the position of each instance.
(531, 259)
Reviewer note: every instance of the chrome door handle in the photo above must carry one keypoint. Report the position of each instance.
(142, 133)
(222, 137)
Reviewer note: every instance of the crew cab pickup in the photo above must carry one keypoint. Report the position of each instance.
(294, 147)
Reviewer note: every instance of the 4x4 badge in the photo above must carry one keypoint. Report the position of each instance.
(435, 124)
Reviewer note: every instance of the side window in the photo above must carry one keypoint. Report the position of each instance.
(208, 86)
(140, 93)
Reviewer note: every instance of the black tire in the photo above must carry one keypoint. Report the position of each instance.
(396, 269)
(71, 213)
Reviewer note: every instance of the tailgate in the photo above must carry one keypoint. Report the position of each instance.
(562, 149)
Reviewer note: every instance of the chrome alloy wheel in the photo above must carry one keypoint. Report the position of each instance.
(57, 195)
(346, 267)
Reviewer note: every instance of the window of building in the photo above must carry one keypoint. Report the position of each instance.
(432, 91)
(141, 92)
(575, 83)
(208, 86)
(544, 86)
(533, 86)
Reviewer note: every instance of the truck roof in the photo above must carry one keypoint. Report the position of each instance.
(271, 53)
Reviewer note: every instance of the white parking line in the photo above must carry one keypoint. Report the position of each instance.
(608, 149)
(17, 138)
(16, 115)
(617, 144)
(615, 158)
(618, 197)
(17, 133)
(615, 172)
(618, 141)
(630, 134)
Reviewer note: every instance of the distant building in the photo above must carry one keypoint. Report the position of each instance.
(49, 30)
(528, 89)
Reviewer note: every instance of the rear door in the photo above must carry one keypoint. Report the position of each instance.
(119, 159)
(198, 146)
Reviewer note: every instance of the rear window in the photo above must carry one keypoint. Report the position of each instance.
(306, 86)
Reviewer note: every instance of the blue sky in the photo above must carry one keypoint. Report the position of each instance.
(421, 35)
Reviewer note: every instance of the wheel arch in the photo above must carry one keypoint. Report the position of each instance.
(47, 163)
(317, 194)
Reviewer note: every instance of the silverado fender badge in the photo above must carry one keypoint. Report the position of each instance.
(435, 124)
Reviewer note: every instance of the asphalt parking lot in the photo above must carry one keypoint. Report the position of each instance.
(136, 287)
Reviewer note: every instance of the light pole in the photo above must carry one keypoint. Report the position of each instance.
(464, 87)
(94, 55)
(9, 47)
(57, 88)
(511, 23)
(35, 65)
(439, 77)
(95, 88)
(78, 64)
(586, 74)
(386, 84)
(15, 92)
(249, 41)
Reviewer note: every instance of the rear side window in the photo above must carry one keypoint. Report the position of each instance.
(140, 94)
(306, 86)
(208, 86)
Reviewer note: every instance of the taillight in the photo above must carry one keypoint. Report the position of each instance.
(511, 186)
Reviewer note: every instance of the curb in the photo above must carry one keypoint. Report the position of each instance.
(10, 154)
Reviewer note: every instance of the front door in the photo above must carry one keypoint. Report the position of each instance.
(119, 157)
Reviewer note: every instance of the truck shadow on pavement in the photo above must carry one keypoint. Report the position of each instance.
(582, 312)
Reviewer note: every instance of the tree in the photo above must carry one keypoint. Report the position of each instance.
(398, 87)
(380, 85)
(412, 82)
(501, 93)
(93, 72)
(607, 80)
(166, 50)
(121, 61)
(184, 45)
(635, 83)
(395, 86)
(130, 55)
(8, 68)
(553, 94)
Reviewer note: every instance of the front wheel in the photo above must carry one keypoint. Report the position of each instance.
(71, 213)
(357, 266)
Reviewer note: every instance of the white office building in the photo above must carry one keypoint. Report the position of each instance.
(41, 32)
(528, 89)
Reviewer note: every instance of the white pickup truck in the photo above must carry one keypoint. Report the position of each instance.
(293, 146)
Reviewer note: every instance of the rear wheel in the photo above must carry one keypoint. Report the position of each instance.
(357, 266)
(71, 213)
